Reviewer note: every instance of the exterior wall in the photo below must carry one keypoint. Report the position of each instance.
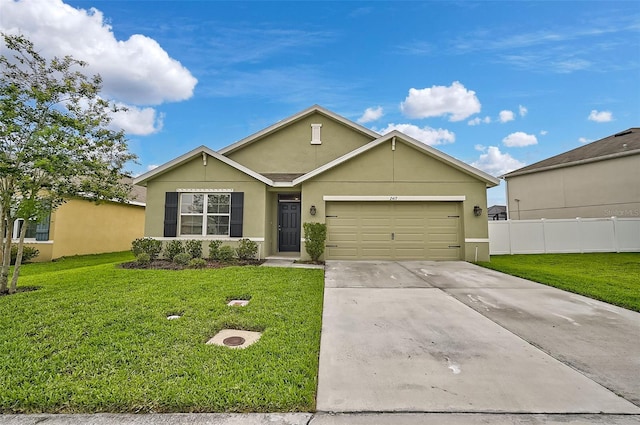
(45, 249)
(214, 175)
(403, 172)
(83, 227)
(289, 150)
(598, 189)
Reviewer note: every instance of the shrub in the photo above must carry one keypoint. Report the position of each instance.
(182, 258)
(315, 235)
(247, 249)
(226, 253)
(214, 248)
(143, 259)
(197, 263)
(194, 248)
(173, 248)
(28, 253)
(149, 246)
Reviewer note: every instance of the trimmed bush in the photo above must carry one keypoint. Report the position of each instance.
(143, 259)
(149, 246)
(247, 249)
(226, 253)
(194, 248)
(28, 253)
(315, 235)
(197, 263)
(173, 248)
(214, 249)
(182, 258)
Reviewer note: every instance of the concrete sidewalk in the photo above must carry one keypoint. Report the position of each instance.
(318, 419)
(400, 337)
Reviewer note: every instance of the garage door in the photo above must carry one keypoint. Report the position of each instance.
(393, 231)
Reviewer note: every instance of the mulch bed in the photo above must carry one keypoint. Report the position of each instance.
(20, 289)
(170, 265)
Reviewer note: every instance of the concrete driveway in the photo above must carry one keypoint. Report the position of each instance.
(454, 337)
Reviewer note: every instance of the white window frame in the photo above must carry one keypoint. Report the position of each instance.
(204, 214)
(15, 232)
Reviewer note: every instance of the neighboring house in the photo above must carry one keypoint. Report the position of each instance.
(80, 226)
(600, 179)
(382, 197)
(497, 212)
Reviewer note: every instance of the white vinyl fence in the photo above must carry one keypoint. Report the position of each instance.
(564, 235)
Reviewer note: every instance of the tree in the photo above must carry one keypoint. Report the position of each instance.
(55, 142)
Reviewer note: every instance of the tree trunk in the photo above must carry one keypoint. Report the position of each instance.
(2, 234)
(6, 260)
(16, 267)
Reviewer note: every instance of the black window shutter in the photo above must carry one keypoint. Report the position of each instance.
(42, 229)
(171, 214)
(237, 209)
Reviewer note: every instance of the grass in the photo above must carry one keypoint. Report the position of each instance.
(609, 277)
(95, 338)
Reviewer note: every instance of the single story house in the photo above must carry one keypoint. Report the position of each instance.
(599, 179)
(80, 226)
(386, 197)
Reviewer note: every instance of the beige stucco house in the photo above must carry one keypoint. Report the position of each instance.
(80, 226)
(600, 179)
(382, 197)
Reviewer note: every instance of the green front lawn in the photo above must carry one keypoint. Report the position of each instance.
(95, 338)
(610, 277)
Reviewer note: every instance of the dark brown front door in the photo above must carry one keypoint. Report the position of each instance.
(289, 226)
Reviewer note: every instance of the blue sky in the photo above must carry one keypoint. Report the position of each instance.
(498, 85)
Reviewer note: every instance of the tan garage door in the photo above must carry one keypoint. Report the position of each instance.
(393, 231)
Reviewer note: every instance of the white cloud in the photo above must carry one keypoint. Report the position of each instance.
(152, 167)
(584, 140)
(454, 101)
(478, 120)
(137, 121)
(495, 162)
(600, 116)
(371, 114)
(522, 110)
(134, 71)
(506, 116)
(543, 132)
(519, 139)
(426, 135)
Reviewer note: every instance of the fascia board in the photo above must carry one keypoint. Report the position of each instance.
(490, 180)
(144, 178)
(570, 164)
(293, 118)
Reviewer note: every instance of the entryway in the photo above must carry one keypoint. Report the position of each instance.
(289, 222)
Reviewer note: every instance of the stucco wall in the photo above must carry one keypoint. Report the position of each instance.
(214, 175)
(289, 150)
(84, 227)
(403, 172)
(599, 189)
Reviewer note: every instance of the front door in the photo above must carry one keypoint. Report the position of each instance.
(289, 226)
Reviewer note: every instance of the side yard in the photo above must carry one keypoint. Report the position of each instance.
(96, 338)
(609, 277)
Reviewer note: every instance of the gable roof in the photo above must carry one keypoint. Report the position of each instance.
(293, 118)
(144, 178)
(397, 135)
(620, 144)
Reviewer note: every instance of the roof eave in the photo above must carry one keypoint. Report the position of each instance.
(144, 178)
(517, 173)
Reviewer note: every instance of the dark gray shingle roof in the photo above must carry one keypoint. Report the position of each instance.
(620, 144)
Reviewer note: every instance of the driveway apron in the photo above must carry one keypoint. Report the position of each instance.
(453, 337)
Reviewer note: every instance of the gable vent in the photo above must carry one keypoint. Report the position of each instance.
(315, 134)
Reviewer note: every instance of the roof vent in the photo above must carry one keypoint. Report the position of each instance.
(623, 133)
(315, 134)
